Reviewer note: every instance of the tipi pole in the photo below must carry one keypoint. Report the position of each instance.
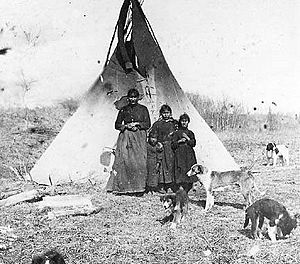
(110, 45)
(148, 23)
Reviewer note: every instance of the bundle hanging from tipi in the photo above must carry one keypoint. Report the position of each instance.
(79, 150)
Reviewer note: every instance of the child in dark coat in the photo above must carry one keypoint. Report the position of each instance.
(154, 159)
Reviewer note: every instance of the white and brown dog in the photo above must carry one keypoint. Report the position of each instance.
(49, 257)
(275, 152)
(219, 181)
(176, 206)
(280, 222)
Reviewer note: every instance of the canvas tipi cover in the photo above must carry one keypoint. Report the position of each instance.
(137, 62)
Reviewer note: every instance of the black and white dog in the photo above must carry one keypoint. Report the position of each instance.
(176, 205)
(49, 257)
(274, 152)
(280, 222)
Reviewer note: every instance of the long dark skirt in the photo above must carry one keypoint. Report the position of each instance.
(167, 168)
(130, 166)
(184, 159)
(152, 174)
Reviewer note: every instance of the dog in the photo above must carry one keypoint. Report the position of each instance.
(280, 222)
(49, 257)
(218, 181)
(176, 205)
(273, 152)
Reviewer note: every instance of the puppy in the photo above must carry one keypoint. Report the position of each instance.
(49, 257)
(273, 152)
(218, 181)
(176, 205)
(280, 222)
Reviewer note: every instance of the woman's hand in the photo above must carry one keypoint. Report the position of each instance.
(135, 123)
(182, 140)
(185, 136)
(133, 126)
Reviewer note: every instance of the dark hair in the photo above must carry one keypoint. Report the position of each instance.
(133, 93)
(184, 116)
(164, 108)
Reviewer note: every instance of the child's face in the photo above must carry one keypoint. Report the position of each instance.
(184, 123)
(152, 141)
(132, 99)
(166, 114)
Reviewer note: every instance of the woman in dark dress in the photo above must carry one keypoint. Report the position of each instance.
(183, 142)
(163, 129)
(130, 165)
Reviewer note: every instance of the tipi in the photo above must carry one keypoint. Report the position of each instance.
(76, 152)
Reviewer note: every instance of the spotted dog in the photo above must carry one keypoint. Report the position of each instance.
(176, 205)
(49, 257)
(280, 222)
(219, 181)
(274, 152)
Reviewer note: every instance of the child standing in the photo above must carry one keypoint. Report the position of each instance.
(154, 158)
(183, 143)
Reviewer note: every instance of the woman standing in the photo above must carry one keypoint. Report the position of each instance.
(183, 143)
(130, 167)
(163, 129)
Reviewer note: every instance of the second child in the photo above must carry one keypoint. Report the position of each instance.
(154, 159)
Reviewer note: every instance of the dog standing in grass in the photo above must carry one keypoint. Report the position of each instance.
(277, 152)
(280, 222)
(49, 257)
(218, 181)
(176, 205)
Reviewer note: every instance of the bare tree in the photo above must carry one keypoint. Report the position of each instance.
(220, 114)
(26, 85)
(32, 37)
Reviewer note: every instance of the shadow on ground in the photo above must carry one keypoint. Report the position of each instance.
(201, 203)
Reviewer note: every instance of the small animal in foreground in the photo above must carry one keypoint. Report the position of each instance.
(280, 222)
(176, 205)
(274, 152)
(49, 257)
(219, 181)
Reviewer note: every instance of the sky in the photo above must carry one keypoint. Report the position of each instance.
(244, 50)
(248, 50)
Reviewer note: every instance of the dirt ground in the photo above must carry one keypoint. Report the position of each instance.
(127, 229)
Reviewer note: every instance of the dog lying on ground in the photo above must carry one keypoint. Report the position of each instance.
(280, 222)
(218, 181)
(49, 257)
(274, 152)
(176, 205)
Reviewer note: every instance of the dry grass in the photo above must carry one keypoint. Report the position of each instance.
(127, 230)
